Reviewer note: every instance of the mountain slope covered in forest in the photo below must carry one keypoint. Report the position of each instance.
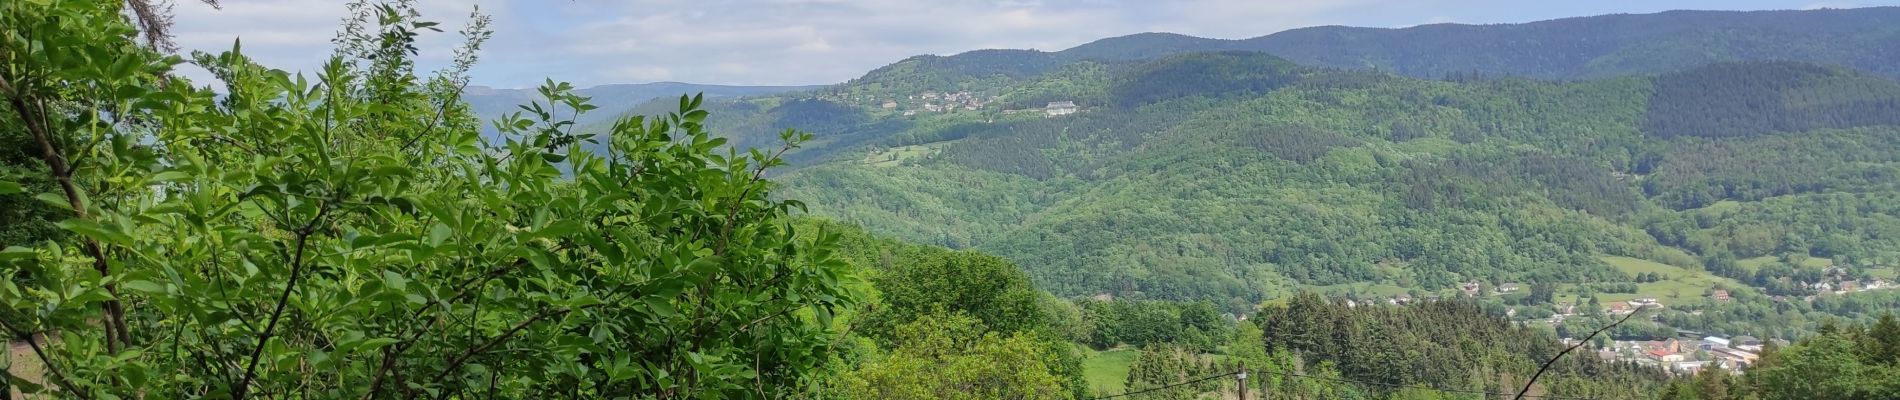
(1216, 169)
(1235, 176)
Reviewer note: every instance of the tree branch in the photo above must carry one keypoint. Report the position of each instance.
(732, 214)
(50, 366)
(463, 289)
(116, 334)
(436, 120)
(456, 363)
(1560, 355)
(296, 271)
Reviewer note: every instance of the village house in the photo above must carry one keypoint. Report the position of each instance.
(1470, 288)
(1672, 345)
(1745, 340)
(1619, 308)
(1664, 355)
(1507, 287)
(1735, 357)
(1566, 309)
(890, 104)
(1060, 108)
(1719, 295)
(1688, 367)
(1712, 343)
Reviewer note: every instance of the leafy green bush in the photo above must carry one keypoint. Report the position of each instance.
(350, 235)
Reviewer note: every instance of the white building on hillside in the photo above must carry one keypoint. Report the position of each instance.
(1060, 108)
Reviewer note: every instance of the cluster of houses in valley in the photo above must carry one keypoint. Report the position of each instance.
(1687, 356)
(1626, 307)
(942, 102)
(931, 101)
(1469, 289)
(1838, 282)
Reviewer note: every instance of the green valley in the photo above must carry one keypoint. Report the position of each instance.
(1680, 205)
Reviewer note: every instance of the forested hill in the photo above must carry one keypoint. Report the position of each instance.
(1867, 39)
(1234, 176)
(1607, 45)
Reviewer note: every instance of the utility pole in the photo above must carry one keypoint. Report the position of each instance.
(1243, 380)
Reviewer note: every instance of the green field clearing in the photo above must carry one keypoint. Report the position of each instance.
(1817, 262)
(1679, 286)
(1755, 264)
(1107, 371)
(897, 155)
(1889, 273)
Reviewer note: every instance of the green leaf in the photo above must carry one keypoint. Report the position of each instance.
(438, 234)
(559, 229)
(7, 187)
(17, 253)
(704, 265)
(584, 301)
(95, 231)
(171, 176)
(376, 343)
(391, 170)
(143, 286)
(55, 200)
(661, 307)
(395, 281)
(25, 386)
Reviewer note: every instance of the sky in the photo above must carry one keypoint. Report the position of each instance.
(801, 42)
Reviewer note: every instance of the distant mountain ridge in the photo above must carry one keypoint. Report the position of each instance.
(1867, 39)
(490, 103)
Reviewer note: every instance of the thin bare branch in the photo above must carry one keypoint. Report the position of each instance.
(296, 271)
(58, 375)
(1560, 355)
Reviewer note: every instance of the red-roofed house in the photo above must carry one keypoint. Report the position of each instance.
(1664, 355)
